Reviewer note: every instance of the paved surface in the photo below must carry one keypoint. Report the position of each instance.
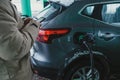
(113, 77)
(36, 77)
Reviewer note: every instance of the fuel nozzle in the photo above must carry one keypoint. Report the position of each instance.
(87, 37)
(86, 40)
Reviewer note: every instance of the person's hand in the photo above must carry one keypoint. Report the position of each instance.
(35, 23)
(27, 20)
(30, 21)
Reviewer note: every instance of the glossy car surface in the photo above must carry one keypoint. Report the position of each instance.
(57, 54)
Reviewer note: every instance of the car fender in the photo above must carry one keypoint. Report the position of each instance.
(81, 55)
(74, 55)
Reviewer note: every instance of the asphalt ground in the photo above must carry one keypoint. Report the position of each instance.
(112, 77)
(36, 77)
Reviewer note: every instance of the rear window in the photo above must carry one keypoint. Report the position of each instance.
(49, 12)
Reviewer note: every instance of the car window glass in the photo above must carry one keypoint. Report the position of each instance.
(109, 13)
(43, 12)
(88, 10)
(48, 12)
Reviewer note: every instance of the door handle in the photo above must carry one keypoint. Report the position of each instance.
(106, 36)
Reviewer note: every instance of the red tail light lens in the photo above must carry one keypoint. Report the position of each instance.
(47, 35)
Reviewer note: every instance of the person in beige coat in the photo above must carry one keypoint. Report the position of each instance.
(16, 39)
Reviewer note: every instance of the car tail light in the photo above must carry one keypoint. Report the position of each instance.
(47, 35)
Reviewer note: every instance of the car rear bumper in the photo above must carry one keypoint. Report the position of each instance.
(43, 71)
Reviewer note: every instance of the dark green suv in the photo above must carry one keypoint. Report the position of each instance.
(58, 53)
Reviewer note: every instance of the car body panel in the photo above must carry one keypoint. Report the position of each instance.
(61, 52)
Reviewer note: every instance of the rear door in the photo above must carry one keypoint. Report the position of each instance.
(107, 31)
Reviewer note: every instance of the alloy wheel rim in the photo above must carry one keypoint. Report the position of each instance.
(85, 73)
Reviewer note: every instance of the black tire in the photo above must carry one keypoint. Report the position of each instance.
(98, 66)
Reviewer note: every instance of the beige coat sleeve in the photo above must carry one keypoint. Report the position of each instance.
(15, 44)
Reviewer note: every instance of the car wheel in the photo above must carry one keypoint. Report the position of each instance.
(82, 71)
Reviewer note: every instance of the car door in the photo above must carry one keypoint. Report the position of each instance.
(106, 17)
(107, 31)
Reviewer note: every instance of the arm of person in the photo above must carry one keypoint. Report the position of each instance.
(14, 43)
